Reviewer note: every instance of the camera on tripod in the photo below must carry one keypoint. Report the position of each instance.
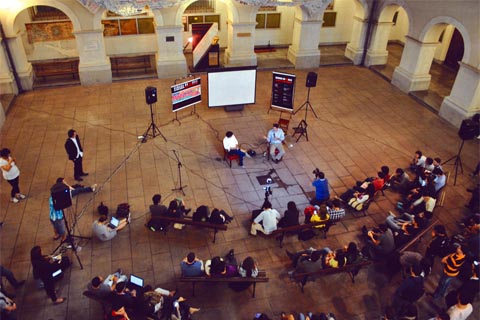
(268, 188)
(316, 172)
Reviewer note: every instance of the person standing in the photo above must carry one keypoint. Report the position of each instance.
(230, 144)
(320, 183)
(275, 138)
(75, 153)
(452, 264)
(11, 173)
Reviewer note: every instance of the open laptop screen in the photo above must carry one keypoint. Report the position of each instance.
(136, 280)
(114, 222)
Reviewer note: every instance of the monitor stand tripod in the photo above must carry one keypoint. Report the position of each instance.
(179, 166)
(155, 131)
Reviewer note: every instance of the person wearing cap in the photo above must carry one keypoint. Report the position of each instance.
(275, 139)
(452, 264)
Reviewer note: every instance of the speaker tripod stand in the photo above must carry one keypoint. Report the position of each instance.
(458, 162)
(307, 105)
(70, 239)
(152, 130)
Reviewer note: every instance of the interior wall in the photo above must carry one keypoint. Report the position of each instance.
(400, 29)
(442, 48)
(342, 31)
(281, 36)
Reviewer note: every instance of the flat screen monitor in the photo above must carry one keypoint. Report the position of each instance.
(232, 86)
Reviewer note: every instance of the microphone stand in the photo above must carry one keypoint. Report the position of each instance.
(179, 165)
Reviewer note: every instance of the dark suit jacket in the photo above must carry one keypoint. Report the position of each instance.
(71, 149)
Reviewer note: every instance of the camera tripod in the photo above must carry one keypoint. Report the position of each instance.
(155, 131)
(70, 240)
(458, 162)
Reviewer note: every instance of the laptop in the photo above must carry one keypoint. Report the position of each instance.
(135, 282)
(113, 224)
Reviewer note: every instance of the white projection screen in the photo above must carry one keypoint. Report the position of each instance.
(233, 86)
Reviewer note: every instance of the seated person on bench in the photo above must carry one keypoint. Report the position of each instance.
(222, 267)
(103, 287)
(104, 231)
(290, 217)
(191, 266)
(320, 215)
(176, 209)
(428, 190)
(405, 226)
(380, 241)
(248, 268)
(266, 221)
(329, 258)
(157, 210)
(335, 210)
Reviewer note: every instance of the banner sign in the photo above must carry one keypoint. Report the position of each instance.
(186, 94)
(283, 89)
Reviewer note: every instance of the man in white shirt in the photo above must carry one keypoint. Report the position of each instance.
(268, 218)
(275, 138)
(230, 144)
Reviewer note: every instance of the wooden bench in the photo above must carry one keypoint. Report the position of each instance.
(119, 63)
(262, 277)
(351, 269)
(281, 232)
(107, 307)
(418, 237)
(56, 68)
(189, 221)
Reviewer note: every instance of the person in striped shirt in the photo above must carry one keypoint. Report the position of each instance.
(452, 264)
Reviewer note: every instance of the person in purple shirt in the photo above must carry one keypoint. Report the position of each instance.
(222, 267)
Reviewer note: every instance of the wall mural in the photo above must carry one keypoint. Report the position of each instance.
(128, 7)
(49, 31)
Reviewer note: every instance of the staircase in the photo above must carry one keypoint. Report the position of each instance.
(203, 35)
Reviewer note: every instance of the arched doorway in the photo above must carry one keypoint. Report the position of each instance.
(49, 44)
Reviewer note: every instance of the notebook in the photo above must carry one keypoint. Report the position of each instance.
(113, 224)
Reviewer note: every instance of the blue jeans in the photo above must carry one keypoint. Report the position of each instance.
(77, 191)
(240, 154)
(442, 287)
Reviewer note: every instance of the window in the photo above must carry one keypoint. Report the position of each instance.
(128, 26)
(188, 20)
(46, 13)
(268, 21)
(202, 6)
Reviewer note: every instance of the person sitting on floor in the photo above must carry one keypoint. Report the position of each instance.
(191, 266)
(124, 299)
(418, 161)
(429, 166)
(440, 179)
(102, 288)
(248, 268)
(103, 231)
(290, 217)
(266, 221)
(7, 307)
(400, 182)
(159, 302)
(406, 226)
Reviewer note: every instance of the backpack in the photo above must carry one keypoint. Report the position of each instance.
(305, 235)
(102, 209)
(201, 214)
(157, 225)
(123, 210)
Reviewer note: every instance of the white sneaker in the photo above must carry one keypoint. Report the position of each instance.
(247, 155)
(21, 196)
(15, 200)
(94, 187)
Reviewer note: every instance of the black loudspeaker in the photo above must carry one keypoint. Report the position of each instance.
(311, 80)
(61, 196)
(468, 129)
(151, 95)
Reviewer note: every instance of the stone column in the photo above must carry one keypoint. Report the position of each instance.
(171, 62)
(94, 66)
(240, 50)
(413, 72)
(7, 80)
(377, 53)
(304, 52)
(23, 67)
(354, 49)
(464, 99)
